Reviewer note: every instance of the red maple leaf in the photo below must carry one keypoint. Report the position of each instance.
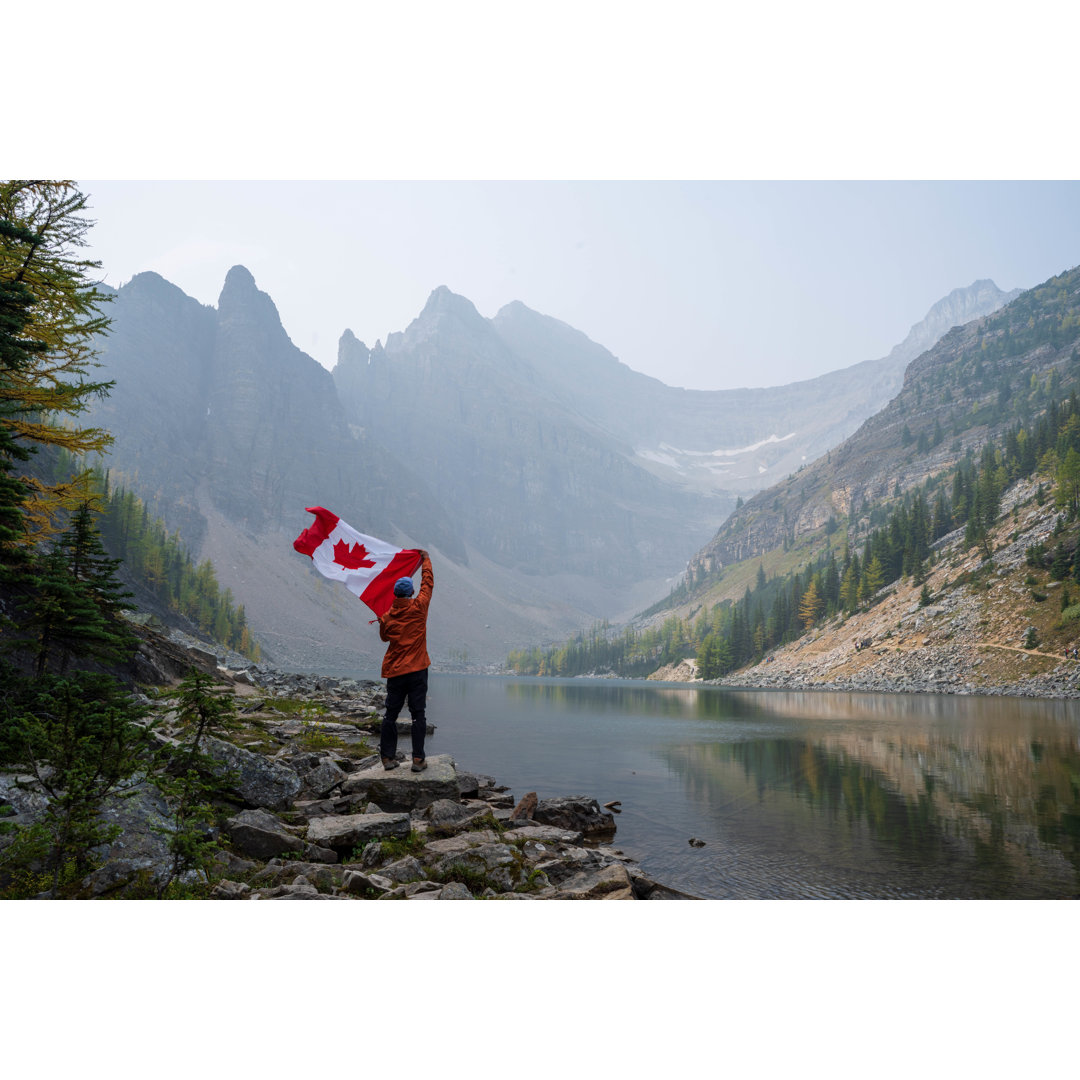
(351, 559)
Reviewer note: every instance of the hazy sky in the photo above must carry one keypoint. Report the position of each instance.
(703, 284)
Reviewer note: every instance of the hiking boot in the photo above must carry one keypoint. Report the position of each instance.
(419, 764)
(389, 763)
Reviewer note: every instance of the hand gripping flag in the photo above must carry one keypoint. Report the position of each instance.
(366, 567)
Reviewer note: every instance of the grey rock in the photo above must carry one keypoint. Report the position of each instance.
(323, 778)
(444, 811)
(262, 835)
(546, 834)
(226, 863)
(372, 855)
(400, 789)
(359, 883)
(354, 830)
(310, 809)
(437, 849)
(574, 812)
(447, 818)
(314, 853)
(281, 872)
(500, 865)
(468, 785)
(140, 852)
(404, 870)
(455, 891)
(608, 883)
(497, 799)
(230, 890)
(258, 781)
(27, 800)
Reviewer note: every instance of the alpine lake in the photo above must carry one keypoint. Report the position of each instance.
(812, 795)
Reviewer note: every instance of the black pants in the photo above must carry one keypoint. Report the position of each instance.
(412, 685)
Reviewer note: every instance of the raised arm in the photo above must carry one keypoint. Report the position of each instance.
(427, 582)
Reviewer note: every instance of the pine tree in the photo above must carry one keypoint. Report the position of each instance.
(872, 579)
(811, 605)
(48, 386)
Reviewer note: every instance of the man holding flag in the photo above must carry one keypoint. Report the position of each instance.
(405, 665)
(370, 569)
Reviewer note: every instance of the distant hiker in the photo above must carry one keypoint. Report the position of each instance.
(405, 666)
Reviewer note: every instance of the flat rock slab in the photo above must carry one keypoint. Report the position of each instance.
(454, 845)
(401, 789)
(609, 883)
(260, 834)
(352, 830)
(546, 834)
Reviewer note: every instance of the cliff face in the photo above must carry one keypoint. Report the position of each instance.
(217, 408)
(537, 485)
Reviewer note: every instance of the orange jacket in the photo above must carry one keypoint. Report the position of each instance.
(405, 627)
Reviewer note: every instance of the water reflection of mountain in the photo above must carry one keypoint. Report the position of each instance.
(819, 793)
(989, 713)
(1000, 819)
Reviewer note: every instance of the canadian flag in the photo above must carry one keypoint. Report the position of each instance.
(366, 567)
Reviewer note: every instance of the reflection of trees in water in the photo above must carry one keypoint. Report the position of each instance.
(842, 788)
(994, 781)
(1010, 842)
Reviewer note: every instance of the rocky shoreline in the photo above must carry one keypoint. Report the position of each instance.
(313, 815)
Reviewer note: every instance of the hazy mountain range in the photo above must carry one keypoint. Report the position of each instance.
(553, 485)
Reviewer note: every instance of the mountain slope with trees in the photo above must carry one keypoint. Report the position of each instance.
(991, 411)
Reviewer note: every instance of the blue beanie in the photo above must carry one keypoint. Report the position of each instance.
(403, 586)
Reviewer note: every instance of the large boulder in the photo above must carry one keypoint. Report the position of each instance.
(610, 882)
(139, 855)
(256, 780)
(401, 789)
(348, 831)
(497, 866)
(403, 870)
(323, 778)
(448, 818)
(576, 813)
(261, 835)
(364, 883)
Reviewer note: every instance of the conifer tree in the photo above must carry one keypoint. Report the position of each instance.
(40, 394)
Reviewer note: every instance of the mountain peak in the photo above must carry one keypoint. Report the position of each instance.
(241, 295)
(351, 349)
(443, 301)
(240, 277)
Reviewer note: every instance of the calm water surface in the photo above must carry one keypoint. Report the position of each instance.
(796, 794)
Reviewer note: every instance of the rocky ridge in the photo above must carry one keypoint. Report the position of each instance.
(313, 815)
(969, 640)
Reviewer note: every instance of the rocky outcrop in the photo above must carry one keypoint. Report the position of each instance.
(254, 779)
(332, 823)
(402, 789)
